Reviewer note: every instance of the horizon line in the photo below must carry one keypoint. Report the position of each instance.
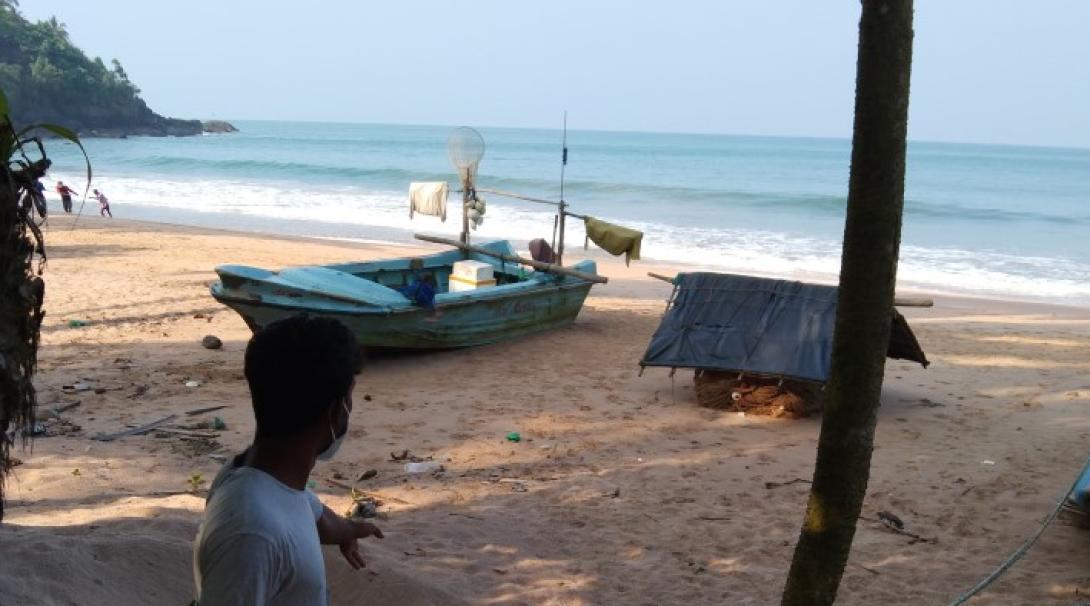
(911, 140)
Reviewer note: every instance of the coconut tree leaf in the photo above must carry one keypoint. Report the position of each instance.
(60, 131)
(64, 133)
(3, 104)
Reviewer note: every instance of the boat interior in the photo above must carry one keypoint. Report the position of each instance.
(400, 277)
(402, 272)
(380, 283)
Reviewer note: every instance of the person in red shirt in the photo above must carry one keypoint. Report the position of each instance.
(66, 196)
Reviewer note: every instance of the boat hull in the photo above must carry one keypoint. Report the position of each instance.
(367, 298)
(1081, 495)
(451, 325)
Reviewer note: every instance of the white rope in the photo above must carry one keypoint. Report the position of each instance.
(1021, 551)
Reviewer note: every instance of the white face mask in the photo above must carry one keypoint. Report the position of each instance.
(332, 449)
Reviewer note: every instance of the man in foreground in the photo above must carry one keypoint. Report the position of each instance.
(260, 542)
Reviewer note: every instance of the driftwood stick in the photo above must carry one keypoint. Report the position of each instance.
(912, 535)
(549, 267)
(889, 525)
(870, 570)
(897, 301)
(104, 437)
(66, 407)
(189, 438)
(338, 484)
(178, 431)
(203, 410)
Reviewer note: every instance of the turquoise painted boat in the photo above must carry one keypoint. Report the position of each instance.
(1080, 497)
(365, 297)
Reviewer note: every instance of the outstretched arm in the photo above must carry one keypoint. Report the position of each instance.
(336, 530)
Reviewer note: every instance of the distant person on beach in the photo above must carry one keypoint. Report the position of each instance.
(103, 204)
(66, 196)
(260, 542)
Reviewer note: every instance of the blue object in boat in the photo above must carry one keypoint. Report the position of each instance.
(420, 292)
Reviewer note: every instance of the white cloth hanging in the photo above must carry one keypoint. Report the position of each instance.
(429, 198)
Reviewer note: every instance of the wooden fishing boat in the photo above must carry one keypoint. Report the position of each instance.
(520, 296)
(367, 297)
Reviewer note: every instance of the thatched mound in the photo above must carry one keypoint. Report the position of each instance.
(761, 396)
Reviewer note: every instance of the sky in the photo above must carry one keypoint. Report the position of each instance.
(984, 71)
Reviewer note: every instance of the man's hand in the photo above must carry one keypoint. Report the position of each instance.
(350, 549)
(345, 533)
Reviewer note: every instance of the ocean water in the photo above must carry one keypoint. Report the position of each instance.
(991, 220)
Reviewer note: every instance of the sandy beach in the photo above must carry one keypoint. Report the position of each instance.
(622, 490)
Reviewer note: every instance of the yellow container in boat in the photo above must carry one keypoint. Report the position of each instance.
(460, 284)
(472, 270)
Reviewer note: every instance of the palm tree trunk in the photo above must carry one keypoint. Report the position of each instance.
(872, 237)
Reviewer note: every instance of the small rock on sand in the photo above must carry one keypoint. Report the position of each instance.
(211, 342)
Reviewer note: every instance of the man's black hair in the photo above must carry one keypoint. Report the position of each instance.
(297, 368)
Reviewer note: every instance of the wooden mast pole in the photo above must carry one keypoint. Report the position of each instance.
(563, 205)
(467, 189)
(560, 242)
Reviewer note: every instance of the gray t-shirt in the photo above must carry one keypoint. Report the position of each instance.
(259, 543)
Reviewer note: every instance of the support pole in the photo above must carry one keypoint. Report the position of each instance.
(560, 243)
(563, 205)
(556, 224)
(897, 301)
(467, 193)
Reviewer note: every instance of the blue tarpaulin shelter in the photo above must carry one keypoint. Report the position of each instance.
(758, 326)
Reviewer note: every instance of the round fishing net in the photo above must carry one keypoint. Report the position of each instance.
(466, 148)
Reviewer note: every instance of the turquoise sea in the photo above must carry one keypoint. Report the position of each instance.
(981, 219)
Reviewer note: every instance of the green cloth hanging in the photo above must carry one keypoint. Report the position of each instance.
(614, 239)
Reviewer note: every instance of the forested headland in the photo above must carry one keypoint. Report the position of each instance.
(48, 79)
